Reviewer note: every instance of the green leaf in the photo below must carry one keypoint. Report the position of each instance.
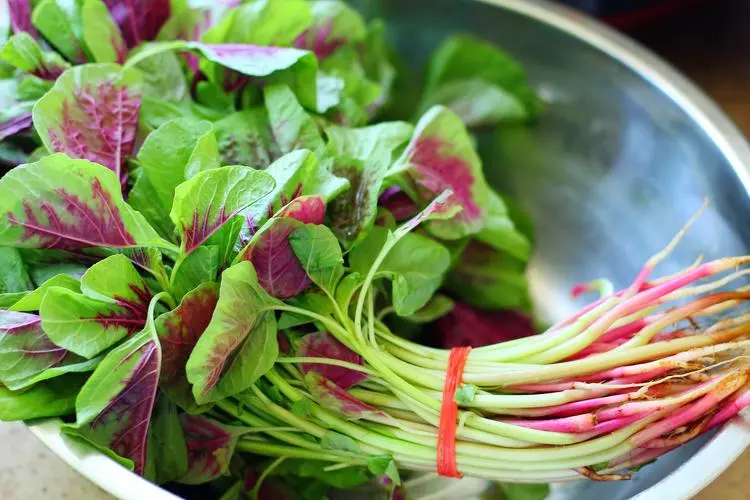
(37, 200)
(302, 408)
(164, 79)
(441, 156)
(515, 491)
(500, 232)
(339, 442)
(14, 277)
(33, 300)
(292, 127)
(114, 407)
(207, 201)
(24, 53)
(362, 155)
(172, 154)
(246, 138)
(240, 344)
(384, 465)
(481, 83)
(341, 478)
(262, 22)
(489, 279)
(179, 331)
(312, 300)
(437, 307)
(378, 67)
(416, 266)
(92, 113)
(58, 29)
(168, 455)
(201, 266)
(101, 34)
(54, 398)
(113, 304)
(319, 252)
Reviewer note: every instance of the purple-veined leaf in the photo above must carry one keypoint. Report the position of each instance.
(25, 53)
(440, 157)
(264, 65)
(114, 304)
(293, 128)
(210, 446)
(239, 345)
(207, 201)
(139, 20)
(362, 155)
(92, 113)
(179, 331)
(334, 398)
(20, 17)
(114, 407)
(68, 205)
(264, 22)
(25, 350)
(278, 268)
(325, 345)
(101, 34)
(334, 24)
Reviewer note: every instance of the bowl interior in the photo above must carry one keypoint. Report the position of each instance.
(624, 154)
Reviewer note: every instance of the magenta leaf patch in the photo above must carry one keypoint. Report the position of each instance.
(334, 398)
(14, 125)
(210, 446)
(468, 326)
(179, 331)
(334, 24)
(398, 203)
(25, 350)
(440, 157)
(325, 345)
(115, 405)
(203, 204)
(68, 204)
(92, 113)
(20, 17)
(279, 270)
(139, 20)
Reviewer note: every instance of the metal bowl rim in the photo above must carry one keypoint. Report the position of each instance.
(703, 467)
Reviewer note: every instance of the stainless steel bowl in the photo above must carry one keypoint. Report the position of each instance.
(626, 151)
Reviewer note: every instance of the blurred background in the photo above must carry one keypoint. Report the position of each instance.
(709, 41)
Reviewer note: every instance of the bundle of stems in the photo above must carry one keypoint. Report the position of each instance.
(624, 380)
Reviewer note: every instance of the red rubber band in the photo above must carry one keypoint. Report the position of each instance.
(446, 443)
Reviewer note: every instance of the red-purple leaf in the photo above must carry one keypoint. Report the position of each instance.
(92, 113)
(440, 157)
(20, 17)
(331, 396)
(139, 20)
(468, 326)
(398, 203)
(25, 350)
(15, 125)
(179, 331)
(210, 447)
(68, 204)
(279, 270)
(115, 405)
(325, 345)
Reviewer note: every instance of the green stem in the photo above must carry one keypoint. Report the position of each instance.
(259, 483)
(326, 361)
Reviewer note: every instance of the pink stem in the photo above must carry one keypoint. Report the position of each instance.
(576, 407)
(690, 412)
(739, 401)
(575, 424)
